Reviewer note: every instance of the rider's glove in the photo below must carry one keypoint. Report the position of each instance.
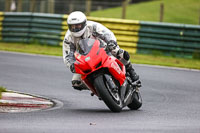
(112, 45)
(72, 68)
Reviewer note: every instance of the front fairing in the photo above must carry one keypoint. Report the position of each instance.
(92, 56)
(116, 68)
(89, 56)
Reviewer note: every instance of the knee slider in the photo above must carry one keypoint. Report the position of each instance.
(76, 83)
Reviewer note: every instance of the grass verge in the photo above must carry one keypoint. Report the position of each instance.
(31, 48)
(166, 61)
(137, 58)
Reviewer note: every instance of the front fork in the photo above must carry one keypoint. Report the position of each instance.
(111, 84)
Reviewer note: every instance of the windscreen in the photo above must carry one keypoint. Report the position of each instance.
(85, 45)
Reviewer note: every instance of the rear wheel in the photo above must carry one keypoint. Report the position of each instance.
(110, 97)
(137, 101)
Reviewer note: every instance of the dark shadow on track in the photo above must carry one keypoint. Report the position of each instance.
(103, 111)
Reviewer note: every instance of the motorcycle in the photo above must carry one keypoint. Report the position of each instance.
(106, 76)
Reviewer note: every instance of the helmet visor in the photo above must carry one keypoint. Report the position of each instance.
(76, 27)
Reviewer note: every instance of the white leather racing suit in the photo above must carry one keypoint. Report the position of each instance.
(92, 29)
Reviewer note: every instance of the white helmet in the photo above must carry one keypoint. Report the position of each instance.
(77, 22)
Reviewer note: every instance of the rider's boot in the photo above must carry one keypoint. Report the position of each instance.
(78, 85)
(134, 77)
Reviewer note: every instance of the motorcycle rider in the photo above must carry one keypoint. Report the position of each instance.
(79, 28)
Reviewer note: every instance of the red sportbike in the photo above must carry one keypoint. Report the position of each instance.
(106, 76)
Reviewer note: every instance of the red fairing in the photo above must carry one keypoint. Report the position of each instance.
(116, 68)
(96, 59)
(86, 64)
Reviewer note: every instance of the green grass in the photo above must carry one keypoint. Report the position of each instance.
(31, 48)
(175, 11)
(137, 58)
(166, 61)
(2, 89)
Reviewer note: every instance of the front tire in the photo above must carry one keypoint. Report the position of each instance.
(113, 103)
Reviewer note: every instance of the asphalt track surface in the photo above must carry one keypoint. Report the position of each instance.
(171, 100)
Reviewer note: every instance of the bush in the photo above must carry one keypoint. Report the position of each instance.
(196, 54)
(157, 53)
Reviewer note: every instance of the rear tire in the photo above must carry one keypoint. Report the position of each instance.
(102, 89)
(137, 101)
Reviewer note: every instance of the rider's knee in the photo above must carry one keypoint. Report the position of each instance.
(78, 85)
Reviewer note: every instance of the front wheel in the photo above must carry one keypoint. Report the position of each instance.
(110, 97)
(137, 101)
